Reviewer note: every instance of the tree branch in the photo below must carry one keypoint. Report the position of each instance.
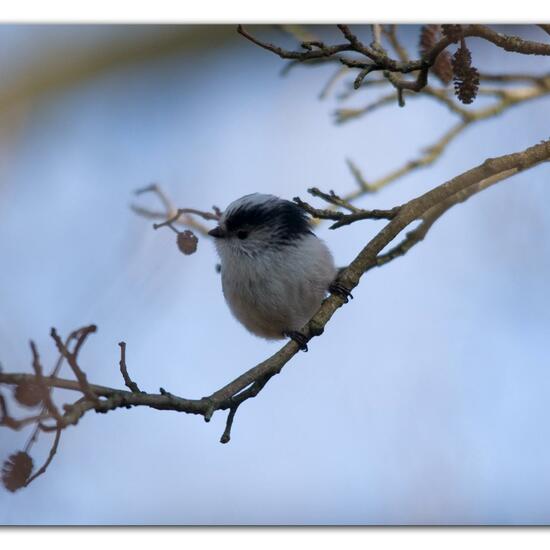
(340, 218)
(171, 214)
(130, 384)
(72, 358)
(376, 59)
(427, 208)
(507, 99)
(51, 454)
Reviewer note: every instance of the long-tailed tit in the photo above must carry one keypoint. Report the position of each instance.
(275, 270)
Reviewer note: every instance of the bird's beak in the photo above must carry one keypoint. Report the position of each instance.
(217, 232)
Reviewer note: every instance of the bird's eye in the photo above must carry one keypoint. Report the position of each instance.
(242, 234)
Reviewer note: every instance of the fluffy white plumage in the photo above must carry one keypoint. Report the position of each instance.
(275, 271)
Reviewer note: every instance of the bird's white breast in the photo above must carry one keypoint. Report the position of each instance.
(277, 290)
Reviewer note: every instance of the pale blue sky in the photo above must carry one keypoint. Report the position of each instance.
(425, 401)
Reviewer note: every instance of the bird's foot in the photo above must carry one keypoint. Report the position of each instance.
(298, 337)
(340, 290)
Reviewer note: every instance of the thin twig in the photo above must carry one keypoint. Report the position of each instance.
(508, 99)
(181, 211)
(390, 31)
(158, 191)
(375, 214)
(53, 451)
(332, 198)
(16, 424)
(34, 435)
(341, 71)
(344, 115)
(226, 436)
(71, 358)
(377, 37)
(130, 384)
(319, 213)
(171, 215)
(42, 382)
(340, 218)
(358, 175)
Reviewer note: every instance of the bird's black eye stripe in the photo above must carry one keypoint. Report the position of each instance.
(242, 234)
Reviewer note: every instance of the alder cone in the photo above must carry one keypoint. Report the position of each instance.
(16, 471)
(28, 394)
(462, 60)
(466, 87)
(187, 242)
(429, 35)
(443, 67)
(466, 77)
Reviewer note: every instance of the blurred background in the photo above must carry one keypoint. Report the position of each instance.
(425, 401)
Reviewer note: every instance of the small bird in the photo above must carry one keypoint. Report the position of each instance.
(275, 270)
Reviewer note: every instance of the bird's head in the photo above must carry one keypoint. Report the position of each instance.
(258, 223)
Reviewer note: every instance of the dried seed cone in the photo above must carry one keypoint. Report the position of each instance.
(16, 471)
(462, 60)
(443, 67)
(187, 242)
(466, 88)
(28, 394)
(429, 35)
(466, 77)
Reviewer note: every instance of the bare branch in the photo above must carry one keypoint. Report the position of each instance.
(226, 436)
(344, 115)
(375, 58)
(332, 198)
(429, 156)
(341, 71)
(508, 43)
(377, 37)
(340, 218)
(181, 211)
(41, 381)
(16, 424)
(364, 186)
(433, 214)
(507, 99)
(171, 215)
(51, 454)
(426, 208)
(390, 31)
(299, 32)
(319, 51)
(130, 384)
(71, 358)
(158, 191)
